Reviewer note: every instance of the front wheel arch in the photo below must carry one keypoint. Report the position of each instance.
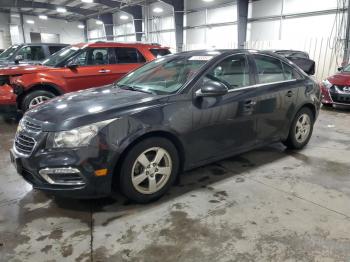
(46, 87)
(163, 134)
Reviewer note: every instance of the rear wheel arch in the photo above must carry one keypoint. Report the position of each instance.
(163, 134)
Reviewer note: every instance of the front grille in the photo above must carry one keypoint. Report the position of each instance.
(72, 178)
(30, 126)
(24, 144)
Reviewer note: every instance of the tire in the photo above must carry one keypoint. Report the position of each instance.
(29, 99)
(327, 105)
(297, 138)
(135, 178)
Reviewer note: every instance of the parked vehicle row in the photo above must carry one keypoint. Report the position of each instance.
(172, 114)
(71, 69)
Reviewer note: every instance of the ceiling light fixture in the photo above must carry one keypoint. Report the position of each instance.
(208, 1)
(43, 17)
(87, 1)
(81, 26)
(99, 22)
(30, 22)
(158, 10)
(61, 9)
(124, 17)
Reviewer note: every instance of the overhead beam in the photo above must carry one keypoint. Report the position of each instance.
(242, 14)
(33, 4)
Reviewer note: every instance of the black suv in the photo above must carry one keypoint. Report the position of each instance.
(173, 114)
(28, 53)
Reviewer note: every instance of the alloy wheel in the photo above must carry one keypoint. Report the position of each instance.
(38, 100)
(151, 170)
(302, 128)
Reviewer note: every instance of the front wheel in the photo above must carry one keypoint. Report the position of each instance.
(35, 98)
(149, 169)
(301, 129)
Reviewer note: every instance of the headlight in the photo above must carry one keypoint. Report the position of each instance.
(327, 84)
(77, 137)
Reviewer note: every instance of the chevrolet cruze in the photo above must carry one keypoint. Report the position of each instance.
(173, 114)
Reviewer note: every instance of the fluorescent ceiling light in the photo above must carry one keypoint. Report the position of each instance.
(43, 17)
(15, 15)
(99, 22)
(30, 22)
(81, 26)
(87, 1)
(124, 17)
(207, 1)
(61, 9)
(158, 10)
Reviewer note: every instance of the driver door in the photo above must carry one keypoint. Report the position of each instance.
(225, 124)
(93, 69)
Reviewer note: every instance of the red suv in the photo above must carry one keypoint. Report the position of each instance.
(73, 68)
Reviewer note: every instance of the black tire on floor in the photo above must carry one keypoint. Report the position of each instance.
(32, 95)
(292, 142)
(125, 178)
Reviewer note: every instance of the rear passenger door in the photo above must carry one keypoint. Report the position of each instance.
(93, 69)
(277, 91)
(126, 59)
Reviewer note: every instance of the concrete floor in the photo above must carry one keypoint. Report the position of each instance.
(265, 205)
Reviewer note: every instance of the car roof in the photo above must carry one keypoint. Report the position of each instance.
(31, 44)
(116, 44)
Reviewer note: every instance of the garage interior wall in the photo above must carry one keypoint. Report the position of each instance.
(68, 32)
(5, 38)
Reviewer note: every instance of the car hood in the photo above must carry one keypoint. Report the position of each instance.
(22, 69)
(340, 79)
(89, 106)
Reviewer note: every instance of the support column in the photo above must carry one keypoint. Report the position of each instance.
(107, 20)
(85, 30)
(136, 12)
(347, 35)
(242, 14)
(179, 10)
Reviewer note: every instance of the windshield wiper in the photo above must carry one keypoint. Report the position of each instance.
(131, 88)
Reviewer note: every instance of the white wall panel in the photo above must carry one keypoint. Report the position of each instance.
(222, 14)
(195, 18)
(68, 32)
(264, 30)
(302, 6)
(265, 8)
(5, 29)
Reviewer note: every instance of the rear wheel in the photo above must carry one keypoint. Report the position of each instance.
(301, 129)
(35, 98)
(149, 169)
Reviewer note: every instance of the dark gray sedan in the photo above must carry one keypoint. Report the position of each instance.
(173, 114)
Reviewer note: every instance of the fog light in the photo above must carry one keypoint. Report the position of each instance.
(62, 176)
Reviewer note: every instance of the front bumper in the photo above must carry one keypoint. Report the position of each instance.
(85, 161)
(7, 99)
(330, 97)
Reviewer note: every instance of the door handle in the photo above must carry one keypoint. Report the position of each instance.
(289, 93)
(104, 71)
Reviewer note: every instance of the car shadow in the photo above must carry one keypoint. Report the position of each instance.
(188, 183)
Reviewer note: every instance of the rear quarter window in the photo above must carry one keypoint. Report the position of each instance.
(159, 52)
(128, 55)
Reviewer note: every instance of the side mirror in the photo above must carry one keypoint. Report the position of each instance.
(212, 88)
(18, 58)
(340, 68)
(72, 64)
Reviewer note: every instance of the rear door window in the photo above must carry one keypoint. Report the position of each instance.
(128, 55)
(159, 52)
(32, 53)
(269, 69)
(290, 73)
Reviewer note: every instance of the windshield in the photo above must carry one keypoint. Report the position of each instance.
(164, 75)
(346, 68)
(61, 56)
(9, 52)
